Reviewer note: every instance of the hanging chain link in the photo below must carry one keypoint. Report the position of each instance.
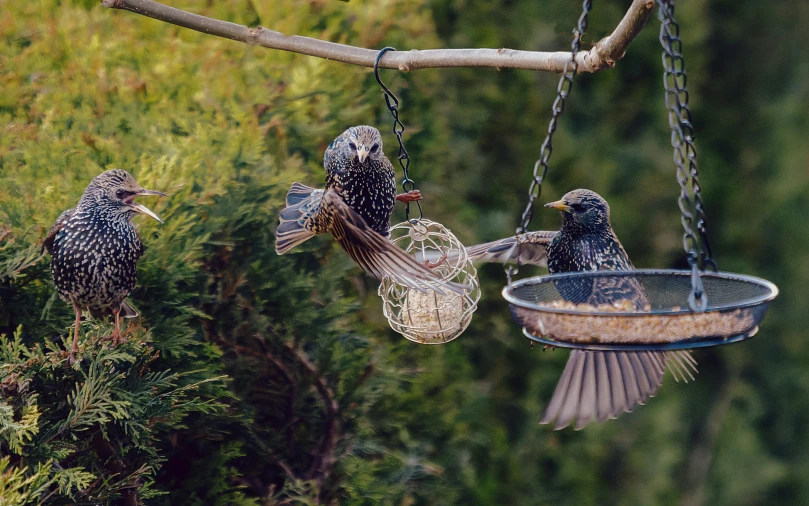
(392, 102)
(695, 236)
(563, 90)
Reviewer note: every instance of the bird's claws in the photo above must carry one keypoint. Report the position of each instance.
(411, 196)
(433, 265)
(71, 357)
(116, 338)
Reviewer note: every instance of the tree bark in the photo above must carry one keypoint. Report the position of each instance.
(603, 55)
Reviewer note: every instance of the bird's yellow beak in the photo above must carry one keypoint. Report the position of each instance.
(140, 208)
(151, 192)
(561, 205)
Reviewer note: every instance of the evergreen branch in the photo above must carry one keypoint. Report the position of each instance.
(22, 486)
(601, 56)
(17, 434)
(107, 454)
(192, 386)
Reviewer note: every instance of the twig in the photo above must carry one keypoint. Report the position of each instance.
(130, 496)
(602, 56)
(324, 462)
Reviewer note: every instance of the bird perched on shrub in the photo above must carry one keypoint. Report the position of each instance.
(594, 384)
(95, 249)
(355, 208)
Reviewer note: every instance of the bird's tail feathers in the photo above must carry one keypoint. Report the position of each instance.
(681, 365)
(298, 193)
(290, 234)
(598, 385)
(127, 311)
(291, 231)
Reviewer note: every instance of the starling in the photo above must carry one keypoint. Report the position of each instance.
(95, 249)
(594, 384)
(355, 208)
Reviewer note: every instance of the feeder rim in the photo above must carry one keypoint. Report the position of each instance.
(755, 301)
(685, 344)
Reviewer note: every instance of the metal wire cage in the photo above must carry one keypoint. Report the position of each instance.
(641, 309)
(431, 317)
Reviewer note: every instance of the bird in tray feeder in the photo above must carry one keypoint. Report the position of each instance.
(594, 384)
(96, 248)
(355, 208)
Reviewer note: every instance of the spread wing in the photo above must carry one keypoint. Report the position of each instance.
(375, 253)
(526, 249)
(60, 222)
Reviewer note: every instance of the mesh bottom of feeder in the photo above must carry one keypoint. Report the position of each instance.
(431, 318)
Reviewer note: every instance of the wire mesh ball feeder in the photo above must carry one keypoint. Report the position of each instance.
(669, 309)
(429, 316)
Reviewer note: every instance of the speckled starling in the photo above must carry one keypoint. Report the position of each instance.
(594, 385)
(95, 249)
(355, 208)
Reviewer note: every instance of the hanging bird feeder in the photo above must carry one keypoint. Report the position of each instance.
(683, 308)
(426, 317)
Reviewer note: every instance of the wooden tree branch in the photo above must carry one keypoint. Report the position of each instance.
(602, 55)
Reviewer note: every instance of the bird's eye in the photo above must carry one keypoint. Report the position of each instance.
(352, 146)
(374, 148)
(119, 194)
(577, 207)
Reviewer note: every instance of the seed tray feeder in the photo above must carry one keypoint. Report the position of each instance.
(640, 310)
(546, 309)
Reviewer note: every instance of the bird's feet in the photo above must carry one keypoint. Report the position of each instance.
(433, 265)
(411, 196)
(117, 338)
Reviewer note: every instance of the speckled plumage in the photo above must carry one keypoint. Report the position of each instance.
(355, 208)
(361, 174)
(594, 385)
(95, 247)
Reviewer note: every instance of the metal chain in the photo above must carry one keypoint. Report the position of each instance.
(563, 90)
(392, 102)
(695, 236)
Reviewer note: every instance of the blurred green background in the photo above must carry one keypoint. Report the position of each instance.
(225, 129)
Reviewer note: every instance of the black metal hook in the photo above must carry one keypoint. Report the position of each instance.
(387, 91)
(398, 129)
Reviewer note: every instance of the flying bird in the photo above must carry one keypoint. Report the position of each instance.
(355, 208)
(95, 249)
(594, 385)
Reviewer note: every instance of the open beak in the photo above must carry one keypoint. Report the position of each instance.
(362, 154)
(140, 208)
(151, 192)
(560, 205)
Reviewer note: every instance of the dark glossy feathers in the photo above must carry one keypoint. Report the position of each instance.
(594, 385)
(95, 247)
(326, 212)
(355, 208)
